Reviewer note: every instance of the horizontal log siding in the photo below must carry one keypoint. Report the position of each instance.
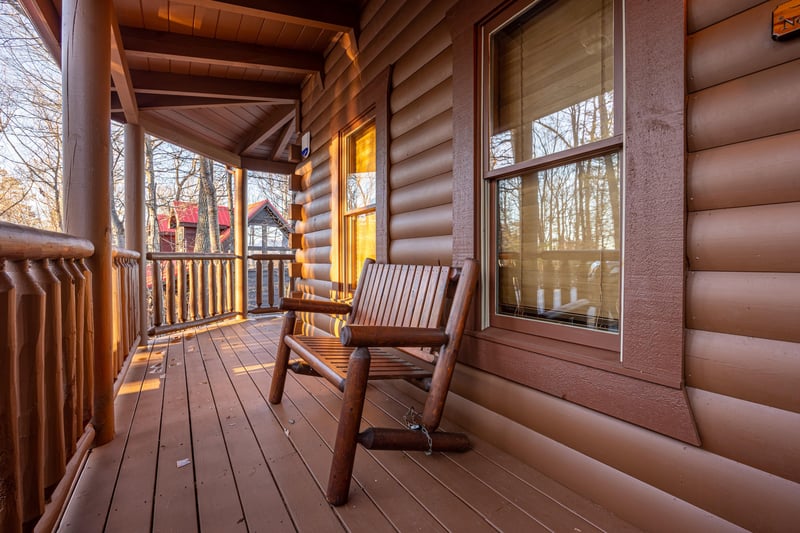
(743, 288)
(757, 370)
(708, 12)
(413, 38)
(762, 171)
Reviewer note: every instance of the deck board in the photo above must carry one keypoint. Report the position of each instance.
(259, 467)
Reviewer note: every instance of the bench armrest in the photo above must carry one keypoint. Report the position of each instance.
(314, 306)
(393, 336)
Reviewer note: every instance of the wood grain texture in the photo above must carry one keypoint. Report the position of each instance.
(736, 47)
(764, 305)
(761, 371)
(741, 431)
(746, 239)
(761, 171)
(737, 111)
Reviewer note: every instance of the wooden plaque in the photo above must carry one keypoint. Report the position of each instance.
(786, 21)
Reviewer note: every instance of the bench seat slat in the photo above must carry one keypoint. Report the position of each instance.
(329, 358)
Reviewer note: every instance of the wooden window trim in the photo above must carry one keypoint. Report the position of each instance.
(645, 387)
(373, 97)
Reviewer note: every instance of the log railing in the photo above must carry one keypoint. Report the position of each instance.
(273, 279)
(46, 371)
(126, 287)
(189, 289)
(564, 285)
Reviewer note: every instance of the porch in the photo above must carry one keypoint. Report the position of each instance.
(198, 447)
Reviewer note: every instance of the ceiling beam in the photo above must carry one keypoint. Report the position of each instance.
(163, 45)
(209, 87)
(265, 165)
(268, 126)
(322, 14)
(120, 74)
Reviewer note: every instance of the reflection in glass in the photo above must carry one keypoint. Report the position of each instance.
(552, 85)
(360, 163)
(558, 241)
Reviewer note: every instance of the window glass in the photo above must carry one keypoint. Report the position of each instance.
(552, 84)
(359, 218)
(557, 244)
(555, 219)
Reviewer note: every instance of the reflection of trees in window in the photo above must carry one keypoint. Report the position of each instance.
(359, 218)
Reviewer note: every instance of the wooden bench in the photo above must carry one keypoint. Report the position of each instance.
(406, 321)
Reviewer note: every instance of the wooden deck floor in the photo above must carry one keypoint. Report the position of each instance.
(199, 448)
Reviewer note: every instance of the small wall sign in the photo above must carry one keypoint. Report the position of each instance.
(786, 21)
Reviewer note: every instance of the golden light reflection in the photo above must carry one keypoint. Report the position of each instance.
(252, 368)
(135, 387)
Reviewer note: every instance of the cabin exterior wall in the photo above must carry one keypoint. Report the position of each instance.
(742, 344)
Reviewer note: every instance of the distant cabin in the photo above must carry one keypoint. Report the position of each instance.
(267, 229)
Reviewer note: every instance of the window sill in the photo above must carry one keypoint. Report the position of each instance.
(586, 376)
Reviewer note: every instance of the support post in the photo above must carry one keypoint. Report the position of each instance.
(240, 240)
(134, 215)
(86, 75)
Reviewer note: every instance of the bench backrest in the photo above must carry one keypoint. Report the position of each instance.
(400, 295)
(403, 296)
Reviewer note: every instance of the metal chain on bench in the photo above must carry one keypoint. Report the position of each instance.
(413, 421)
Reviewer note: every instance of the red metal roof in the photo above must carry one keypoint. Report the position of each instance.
(186, 213)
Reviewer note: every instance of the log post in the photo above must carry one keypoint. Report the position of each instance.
(86, 72)
(240, 240)
(134, 217)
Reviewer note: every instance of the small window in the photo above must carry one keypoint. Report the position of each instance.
(358, 202)
(552, 168)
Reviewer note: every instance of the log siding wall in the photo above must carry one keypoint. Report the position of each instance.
(413, 39)
(743, 290)
(742, 344)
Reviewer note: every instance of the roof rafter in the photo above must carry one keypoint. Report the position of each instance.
(47, 21)
(283, 140)
(120, 74)
(267, 127)
(209, 87)
(163, 45)
(323, 14)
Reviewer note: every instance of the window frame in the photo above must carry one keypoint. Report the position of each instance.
(349, 270)
(646, 386)
(370, 101)
(607, 341)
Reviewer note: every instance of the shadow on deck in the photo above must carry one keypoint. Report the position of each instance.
(198, 448)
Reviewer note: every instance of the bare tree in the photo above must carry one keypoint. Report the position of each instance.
(207, 238)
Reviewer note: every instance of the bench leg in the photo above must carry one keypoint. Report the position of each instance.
(281, 359)
(344, 450)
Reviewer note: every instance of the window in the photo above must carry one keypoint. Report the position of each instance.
(552, 168)
(359, 164)
(636, 374)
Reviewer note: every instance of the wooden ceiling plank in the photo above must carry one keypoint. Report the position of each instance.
(163, 45)
(324, 14)
(267, 127)
(120, 74)
(169, 132)
(152, 102)
(180, 84)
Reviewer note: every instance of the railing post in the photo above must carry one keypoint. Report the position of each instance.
(135, 219)
(240, 240)
(86, 71)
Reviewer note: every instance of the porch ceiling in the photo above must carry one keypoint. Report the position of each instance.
(219, 77)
